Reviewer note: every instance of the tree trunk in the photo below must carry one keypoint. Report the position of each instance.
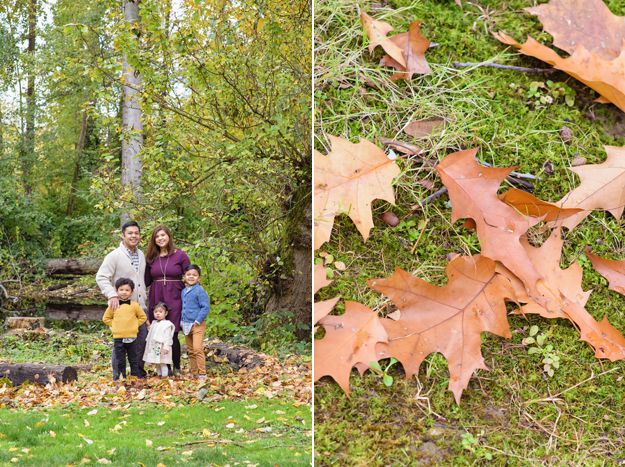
(132, 127)
(27, 155)
(294, 293)
(80, 146)
(19, 373)
(72, 266)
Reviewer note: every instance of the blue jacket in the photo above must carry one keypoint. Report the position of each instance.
(195, 304)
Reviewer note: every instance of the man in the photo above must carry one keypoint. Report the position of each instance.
(126, 261)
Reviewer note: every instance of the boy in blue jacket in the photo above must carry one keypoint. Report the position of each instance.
(195, 307)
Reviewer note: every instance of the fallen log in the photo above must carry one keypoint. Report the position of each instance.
(19, 373)
(24, 322)
(72, 266)
(75, 312)
(238, 356)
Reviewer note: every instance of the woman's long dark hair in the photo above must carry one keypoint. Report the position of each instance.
(153, 249)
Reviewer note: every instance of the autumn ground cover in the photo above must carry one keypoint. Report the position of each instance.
(516, 413)
(255, 417)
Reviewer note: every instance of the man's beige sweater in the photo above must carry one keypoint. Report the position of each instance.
(117, 264)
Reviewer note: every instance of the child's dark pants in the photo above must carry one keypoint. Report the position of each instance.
(121, 350)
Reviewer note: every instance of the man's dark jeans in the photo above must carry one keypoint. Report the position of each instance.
(140, 349)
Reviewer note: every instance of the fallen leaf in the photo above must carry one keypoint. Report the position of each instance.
(320, 279)
(104, 460)
(413, 45)
(602, 187)
(149, 443)
(52, 434)
(92, 412)
(390, 218)
(473, 190)
(423, 128)
(612, 270)
(347, 181)
(376, 32)
(340, 266)
(593, 37)
(350, 339)
(447, 319)
(528, 205)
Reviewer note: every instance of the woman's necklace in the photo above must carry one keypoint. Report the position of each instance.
(165, 270)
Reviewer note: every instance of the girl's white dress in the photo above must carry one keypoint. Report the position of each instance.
(161, 333)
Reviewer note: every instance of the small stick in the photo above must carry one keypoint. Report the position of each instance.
(433, 196)
(504, 67)
(516, 174)
(203, 441)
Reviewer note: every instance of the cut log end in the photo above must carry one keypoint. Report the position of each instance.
(19, 373)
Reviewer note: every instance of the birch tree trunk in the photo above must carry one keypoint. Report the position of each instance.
(27, 156)
(132, 127)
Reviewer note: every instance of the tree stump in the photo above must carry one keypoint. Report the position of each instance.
(19, 373)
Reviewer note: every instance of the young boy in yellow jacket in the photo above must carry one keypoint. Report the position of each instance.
(124, 323)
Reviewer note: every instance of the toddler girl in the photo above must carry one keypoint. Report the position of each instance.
(159, 341)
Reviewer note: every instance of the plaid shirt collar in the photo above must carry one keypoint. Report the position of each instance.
(133, 255)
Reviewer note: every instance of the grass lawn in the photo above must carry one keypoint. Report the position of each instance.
(515, 414)
(250, 432)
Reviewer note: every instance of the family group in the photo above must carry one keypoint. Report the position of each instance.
(151, 298)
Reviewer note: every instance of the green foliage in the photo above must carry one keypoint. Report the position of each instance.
(383, 372)
(68, 347)
(471, 444)
(550, 360)
(274, 333)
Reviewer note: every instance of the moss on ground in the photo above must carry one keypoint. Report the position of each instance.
(515, 413)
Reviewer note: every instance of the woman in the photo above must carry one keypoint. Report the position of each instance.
(163, 275)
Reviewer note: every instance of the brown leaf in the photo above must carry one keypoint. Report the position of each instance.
(612, 270)
(446, 319)
(602, 187)
(565, 286)
(323, 308)
(423, 128)
(528, 205)
(401, 146)
(350, 339)
(376, 32)
(578, 160)
(473, 194)
(588, 23)
(320, 280)
(414, 45)
(347, 181)
(593, 37)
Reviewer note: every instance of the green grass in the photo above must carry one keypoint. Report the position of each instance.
(71, 435)
(507, 411)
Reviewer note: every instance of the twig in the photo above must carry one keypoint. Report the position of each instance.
(515, 174)
(504, 67)
(554, 397)
(433, 196)
(215, 441)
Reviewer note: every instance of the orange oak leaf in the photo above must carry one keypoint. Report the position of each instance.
(613, 270)
(320, 279)
(350, 339)
(566, 290)
(447, 319)
(323, 308)
(602, 187)
(528, 205)
(472, 190)
(414, 45)
(593, 37)
(347, 181)
(376, 32)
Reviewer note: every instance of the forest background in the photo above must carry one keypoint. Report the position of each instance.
(210, 136)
